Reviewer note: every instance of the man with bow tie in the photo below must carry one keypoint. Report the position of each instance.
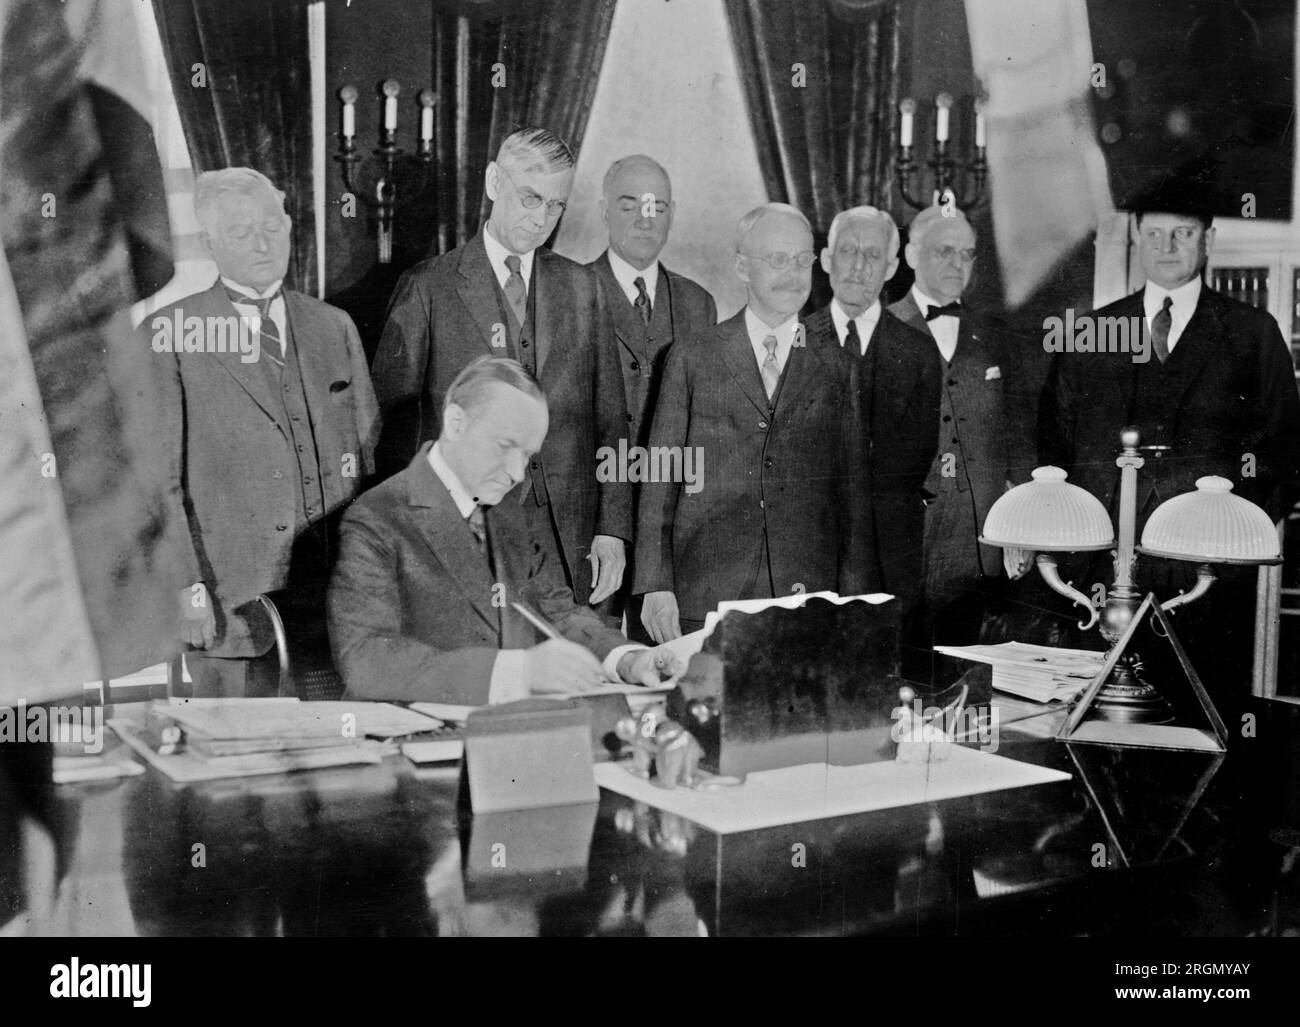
(971, 468)
(268, 451)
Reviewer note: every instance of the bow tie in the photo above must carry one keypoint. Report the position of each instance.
(952, 309)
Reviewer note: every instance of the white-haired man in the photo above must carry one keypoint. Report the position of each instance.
(782, 507)
(900, 388)
(273, 421)
(972, 466)
(503, 294)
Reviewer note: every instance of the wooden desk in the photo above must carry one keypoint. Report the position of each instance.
(378, 851)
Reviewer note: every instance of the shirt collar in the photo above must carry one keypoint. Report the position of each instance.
(244, 290)
(924, 302)
(1185, 297)
(758, 331)
(497, 258)
(866, 321)
(459, 494)
(627, 275)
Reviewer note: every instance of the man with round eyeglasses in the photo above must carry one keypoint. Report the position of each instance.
(504, 294)
(972, 466)
(784, 497)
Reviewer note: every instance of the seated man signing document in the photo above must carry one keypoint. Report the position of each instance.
(431, 563)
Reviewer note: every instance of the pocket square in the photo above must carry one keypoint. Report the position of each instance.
(339, 386)
(992, 373)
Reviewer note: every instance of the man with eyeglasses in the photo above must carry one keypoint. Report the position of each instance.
(651, 306)
(900, 383)
(504, 294)
(971, 467)
(784, 497)
(1217, 389)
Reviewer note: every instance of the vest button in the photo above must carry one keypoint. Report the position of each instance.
(282, 527)
(278, 474)
(762, 425)
(952, 381)
(767, 462)
(947, 418)
(523, 343)
(635, 365)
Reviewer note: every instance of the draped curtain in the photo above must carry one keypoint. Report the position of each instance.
(249, 101)
(498, 67)
(820, 81)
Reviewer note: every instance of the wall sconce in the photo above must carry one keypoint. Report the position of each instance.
(1206, 527)
(385, 200)
(943, 166)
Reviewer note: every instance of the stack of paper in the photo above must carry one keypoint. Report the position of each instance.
(203, 739)
(1040, 673)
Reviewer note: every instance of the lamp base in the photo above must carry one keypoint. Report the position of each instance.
(1127, 698)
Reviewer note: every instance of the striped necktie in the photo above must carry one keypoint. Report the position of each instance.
(268, 333)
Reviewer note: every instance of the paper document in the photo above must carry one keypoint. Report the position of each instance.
(1041, 673)
(815, 791)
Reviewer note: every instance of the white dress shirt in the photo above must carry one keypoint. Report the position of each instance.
(785, 336)
(507, 682)
(945, 328)
(626, 276)
(254, 313)
(866, 322)
(1185, 299)
(496, 254)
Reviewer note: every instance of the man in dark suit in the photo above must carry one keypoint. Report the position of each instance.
(433, 559)
(269, 405)
(1212, 380)
(651, 306)
(781, 506)
(900, 389)
(501, 294)
(971, 468)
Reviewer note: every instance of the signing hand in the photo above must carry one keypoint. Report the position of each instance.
(197, 622)
(648, 666)
(558, 665)
(608, 561)
(659, 616)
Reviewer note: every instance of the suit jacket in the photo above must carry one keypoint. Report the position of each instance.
(233, 461)
(1232, 392)
(788, 484)
(414, 611)
(900, 381)
(972, 385)
(442, 315)
(690, 309)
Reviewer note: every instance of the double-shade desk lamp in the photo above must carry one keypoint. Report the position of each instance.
(1208, 526)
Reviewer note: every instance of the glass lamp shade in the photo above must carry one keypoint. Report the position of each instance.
(1211, 525)
(1050, 515)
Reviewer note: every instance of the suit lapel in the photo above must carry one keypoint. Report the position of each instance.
(449, 538)
(620, 309)
(1195, 346)
(738, 355)
(908, 312)
(313, 357)
(478, 290)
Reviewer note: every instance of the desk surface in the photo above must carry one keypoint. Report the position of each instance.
(1138, 842)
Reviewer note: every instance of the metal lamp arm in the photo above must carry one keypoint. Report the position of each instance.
(1204, 579)
(1047, 568)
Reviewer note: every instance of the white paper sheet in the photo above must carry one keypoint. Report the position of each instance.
(815, 791)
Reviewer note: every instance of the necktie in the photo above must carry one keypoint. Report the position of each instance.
(852, 340)
(479, 528)
(1160, 325)
(770, 371)
(268, 334)
(952, 309)
(642, 301)
(516, 294)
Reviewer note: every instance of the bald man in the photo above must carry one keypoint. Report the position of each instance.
(651, 306)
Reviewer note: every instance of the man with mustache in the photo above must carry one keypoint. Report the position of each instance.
(503, 294)
(900, 388)
(785, 491)
(432, 561)
(972, 465)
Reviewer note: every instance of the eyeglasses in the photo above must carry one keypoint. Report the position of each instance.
(949, 253)
(781, 261)
(531, 200)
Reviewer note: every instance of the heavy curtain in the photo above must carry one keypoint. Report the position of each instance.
(820, 81)
(500, 66)
(241, 74)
